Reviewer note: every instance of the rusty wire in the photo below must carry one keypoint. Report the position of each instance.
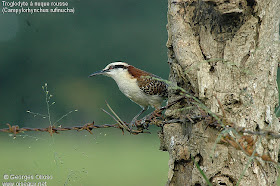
(15, 129)
(142, 125)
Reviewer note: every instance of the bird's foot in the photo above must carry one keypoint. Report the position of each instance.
(157, 113)
(132, 124)
(139, 124)
(144, 124)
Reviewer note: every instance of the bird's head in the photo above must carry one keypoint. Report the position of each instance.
(113, 69)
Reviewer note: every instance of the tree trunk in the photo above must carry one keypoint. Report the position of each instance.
(227, 51)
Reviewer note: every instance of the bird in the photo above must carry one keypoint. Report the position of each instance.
(141, 87)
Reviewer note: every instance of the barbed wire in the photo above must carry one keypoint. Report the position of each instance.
(15, 129)
(244, 142)
(140, 124)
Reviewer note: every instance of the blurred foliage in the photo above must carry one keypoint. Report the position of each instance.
(62, 50)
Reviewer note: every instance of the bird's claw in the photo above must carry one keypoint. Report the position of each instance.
(132, 124)
(157, 113)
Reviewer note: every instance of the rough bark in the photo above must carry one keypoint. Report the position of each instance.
(227, 48)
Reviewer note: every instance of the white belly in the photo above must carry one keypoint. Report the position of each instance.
(131, 89)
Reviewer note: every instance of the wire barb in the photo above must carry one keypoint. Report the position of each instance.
(240, 138)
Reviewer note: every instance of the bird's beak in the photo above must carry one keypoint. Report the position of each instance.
(97, 73)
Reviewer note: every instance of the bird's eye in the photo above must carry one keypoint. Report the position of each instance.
(111, 67)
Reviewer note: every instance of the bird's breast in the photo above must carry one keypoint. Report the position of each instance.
(130, 88)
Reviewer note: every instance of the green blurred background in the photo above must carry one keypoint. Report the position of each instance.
(62, 50)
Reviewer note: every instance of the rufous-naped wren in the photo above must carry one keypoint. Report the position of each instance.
(141, 87)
